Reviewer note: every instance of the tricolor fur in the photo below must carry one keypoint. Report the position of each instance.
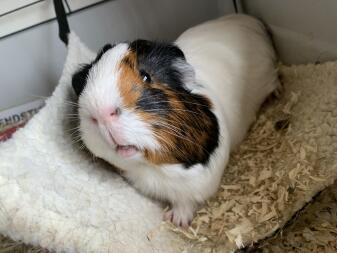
(149, 80)
(169, 114)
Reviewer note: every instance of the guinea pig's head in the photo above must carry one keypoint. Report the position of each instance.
(136, 102)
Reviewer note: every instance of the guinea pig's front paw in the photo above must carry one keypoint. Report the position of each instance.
(180, 216)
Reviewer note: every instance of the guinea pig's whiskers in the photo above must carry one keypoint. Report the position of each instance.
(72, 117)
(184, 138)
(174, 132)
(172, 124)
(164, 141)
(147, 97)
(70, 103)
(174, 110)
(172, 128)
(167, 146)
(164, 124)
(189, 102)
(66, 102)
(77, 141)
(75, 138)
(73, 130)
(73, 133)
(72, 120)
(82, 147)
(180, 101)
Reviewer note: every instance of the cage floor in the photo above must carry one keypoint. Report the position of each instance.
(286, 160)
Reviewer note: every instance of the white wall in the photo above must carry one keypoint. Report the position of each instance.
(304, 30)
(31, 61)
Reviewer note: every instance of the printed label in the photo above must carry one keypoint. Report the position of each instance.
(14, 118)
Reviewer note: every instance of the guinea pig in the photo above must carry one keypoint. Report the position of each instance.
(168, 114)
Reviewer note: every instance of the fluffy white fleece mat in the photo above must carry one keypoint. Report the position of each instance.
(55, 196)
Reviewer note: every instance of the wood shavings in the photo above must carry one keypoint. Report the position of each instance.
(291, 102)
(265, 174)
(315, 230)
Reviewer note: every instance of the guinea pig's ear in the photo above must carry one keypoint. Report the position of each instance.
(186, 73)
(79, 79)
(102, 51)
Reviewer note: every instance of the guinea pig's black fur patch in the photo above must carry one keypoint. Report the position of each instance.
(207, 123)
(154, 101)
(79, 79)
(211, 128)
(157, 59)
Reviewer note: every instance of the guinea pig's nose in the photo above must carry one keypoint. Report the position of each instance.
(111, 113)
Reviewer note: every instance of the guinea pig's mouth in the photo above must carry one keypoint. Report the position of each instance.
(126, 150)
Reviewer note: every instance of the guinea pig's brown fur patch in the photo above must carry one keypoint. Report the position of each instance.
(130, 81)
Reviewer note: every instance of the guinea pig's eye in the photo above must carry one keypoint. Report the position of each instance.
(145, 76)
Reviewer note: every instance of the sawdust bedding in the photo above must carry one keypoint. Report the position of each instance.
(314, 229)
(288, 156)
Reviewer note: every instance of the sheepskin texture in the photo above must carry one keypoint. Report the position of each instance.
(56, 196)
